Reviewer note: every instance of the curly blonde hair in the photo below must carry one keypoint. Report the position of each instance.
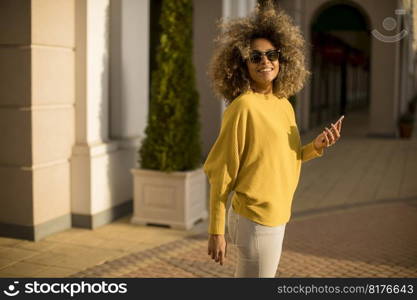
(227, 69)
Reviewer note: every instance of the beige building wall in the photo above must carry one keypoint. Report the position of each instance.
(206, 14)
(36, 116)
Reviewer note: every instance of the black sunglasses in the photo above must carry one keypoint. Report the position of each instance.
(255, 56)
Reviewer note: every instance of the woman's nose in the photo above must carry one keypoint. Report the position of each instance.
(264, 59)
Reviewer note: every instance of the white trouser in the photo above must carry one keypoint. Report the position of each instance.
(258, 246)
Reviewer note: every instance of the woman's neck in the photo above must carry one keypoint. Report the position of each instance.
(267, 89)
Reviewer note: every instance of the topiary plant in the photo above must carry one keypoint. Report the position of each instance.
(172, 141)
(412, 104)
(407, 118)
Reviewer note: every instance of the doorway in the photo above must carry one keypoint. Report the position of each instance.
(340, 64)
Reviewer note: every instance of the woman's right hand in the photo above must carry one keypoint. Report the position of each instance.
(217, 247)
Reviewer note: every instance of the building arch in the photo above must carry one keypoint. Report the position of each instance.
(340, 61)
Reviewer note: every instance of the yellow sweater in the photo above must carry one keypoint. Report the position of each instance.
(258, 154)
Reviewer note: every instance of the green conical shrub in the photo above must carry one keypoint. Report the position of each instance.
(172, 141)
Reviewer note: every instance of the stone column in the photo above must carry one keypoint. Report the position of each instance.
(385, 74)
(36, 116)
(237, 8)
(108, 123)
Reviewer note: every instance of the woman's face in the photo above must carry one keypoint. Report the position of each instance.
(265, 71)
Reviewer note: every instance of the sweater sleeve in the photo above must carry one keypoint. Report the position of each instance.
(309, 152)
(222, 164)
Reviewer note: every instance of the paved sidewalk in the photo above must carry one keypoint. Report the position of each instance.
(371, 241)
(376, 240)
(355, 173)
(357, 170)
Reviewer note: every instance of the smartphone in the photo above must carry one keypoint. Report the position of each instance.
(341, 118)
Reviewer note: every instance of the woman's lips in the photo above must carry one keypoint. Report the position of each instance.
(265, 70)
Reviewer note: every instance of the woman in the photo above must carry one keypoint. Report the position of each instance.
(258, 63)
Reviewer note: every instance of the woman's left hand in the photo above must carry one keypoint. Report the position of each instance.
(329, 137)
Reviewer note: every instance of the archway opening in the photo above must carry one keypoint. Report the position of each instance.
(340, 63)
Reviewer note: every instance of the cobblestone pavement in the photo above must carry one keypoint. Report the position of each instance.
(376, 240)
(373, 241)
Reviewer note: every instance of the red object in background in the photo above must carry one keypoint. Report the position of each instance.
(334, 53)
(356, 58)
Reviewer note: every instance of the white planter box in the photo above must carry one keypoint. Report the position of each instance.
(177, 199)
